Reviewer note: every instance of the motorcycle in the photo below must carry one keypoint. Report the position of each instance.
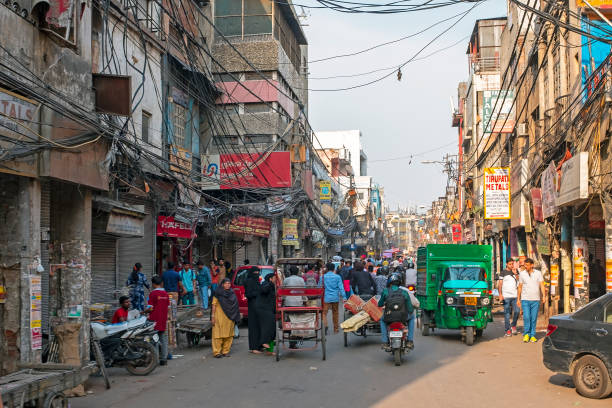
(132, 344)
(398, 345)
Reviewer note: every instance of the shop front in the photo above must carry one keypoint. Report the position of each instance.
(174, 242)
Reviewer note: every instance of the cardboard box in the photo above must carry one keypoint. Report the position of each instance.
(371, 307)
(354, 304)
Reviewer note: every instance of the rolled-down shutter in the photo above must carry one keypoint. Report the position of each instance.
(103, 281)
(132, 250)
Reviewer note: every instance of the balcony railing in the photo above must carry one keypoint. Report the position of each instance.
(484, 64)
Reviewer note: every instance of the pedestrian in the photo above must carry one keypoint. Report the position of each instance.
(229, 272)
(334, 291)
(159, 303)
(121, 314)
(266, 309)
(204, 282)
(137, 281)
(371, 271)
(214, 274)
(225, 315)
(380, 281)
(362, 282)
(172, 282)
(252, 287)
(222, 269)
(508, 292)
(346, 272)
(188, 278)
(311, 278)
(294, 281)
(530, 292)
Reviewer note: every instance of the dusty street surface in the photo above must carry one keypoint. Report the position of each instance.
(441, 372)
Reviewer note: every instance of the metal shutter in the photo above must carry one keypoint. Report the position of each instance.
(103, 282)
(45, 227)
(132, 250)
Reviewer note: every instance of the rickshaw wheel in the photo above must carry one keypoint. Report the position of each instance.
(279, 340)
(469, 335)
(345, 339)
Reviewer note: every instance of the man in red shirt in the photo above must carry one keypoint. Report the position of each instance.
(159, 301)
(121, 314)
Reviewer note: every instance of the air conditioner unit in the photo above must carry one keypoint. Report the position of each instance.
(521, 129)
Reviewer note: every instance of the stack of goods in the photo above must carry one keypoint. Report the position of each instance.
(355, 322)
(372, 309)
(354, 304)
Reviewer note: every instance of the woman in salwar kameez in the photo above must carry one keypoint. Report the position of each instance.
(225, 314)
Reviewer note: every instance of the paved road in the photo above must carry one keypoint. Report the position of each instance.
(441, 372)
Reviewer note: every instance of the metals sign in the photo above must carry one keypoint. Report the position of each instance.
(325, 194)
(497, 193)
(259, 227)
(290, 232)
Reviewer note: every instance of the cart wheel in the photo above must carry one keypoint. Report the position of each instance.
(345, 339)
(277, 346)
(97, 350)
(469, 335)
(55, 400)
(323, 341)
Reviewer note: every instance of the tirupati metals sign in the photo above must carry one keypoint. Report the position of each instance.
(497, 193)
(497, 111)
(246, 170)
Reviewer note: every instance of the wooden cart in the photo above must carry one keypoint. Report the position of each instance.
(42, 385)
(194, 322)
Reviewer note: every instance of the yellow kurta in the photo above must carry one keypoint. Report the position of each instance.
(223, 326)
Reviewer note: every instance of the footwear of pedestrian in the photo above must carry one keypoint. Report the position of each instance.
(227, 355)
(169, 357)
(514, 330)
(508, 333)
(410, 345)
(218, 356)
(526, 338)
(326, 331)
(163, 363)
(533, 340)
(255, 352)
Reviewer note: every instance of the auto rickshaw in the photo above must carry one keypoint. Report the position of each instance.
(454, 287)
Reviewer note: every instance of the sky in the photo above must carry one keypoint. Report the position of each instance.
(397, 118)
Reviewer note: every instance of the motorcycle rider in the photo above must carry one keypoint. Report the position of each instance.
(411, 274)
(393, 290)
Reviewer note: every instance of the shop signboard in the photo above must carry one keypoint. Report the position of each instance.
(125, 225)
(497, 111)
(167, 226)
(246, 170)
(554, 278)
(260, 227)
(290, 232)
(518, 179)
(36, 312)
(536, 202)
(549, 191)
(574, 186)
(456, 228)
(497, 193)
(580, 249)
(325, 194)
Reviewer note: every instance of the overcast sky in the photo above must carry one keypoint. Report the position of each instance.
(396, 118)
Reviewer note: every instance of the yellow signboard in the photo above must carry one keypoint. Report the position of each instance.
(325, 191)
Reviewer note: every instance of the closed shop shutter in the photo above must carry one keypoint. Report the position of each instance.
(45, 226)
(252, 252)
(103, 282)
(132, 250)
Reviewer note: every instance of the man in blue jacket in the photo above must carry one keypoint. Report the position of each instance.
(204, 282)
(334, 291)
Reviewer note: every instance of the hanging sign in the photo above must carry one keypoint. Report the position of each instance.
(325, 194)
(456, 228)
(536, 201)
(169, 227)
(497, 193)
(580, 249)
(549, 191)
(609, 275)
(290, 232)
(36, 312)
(259, 227)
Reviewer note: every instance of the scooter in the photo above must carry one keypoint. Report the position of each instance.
(398, 345)
(133, 344)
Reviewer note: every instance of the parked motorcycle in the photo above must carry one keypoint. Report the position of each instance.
(398, 345)
(132, 344)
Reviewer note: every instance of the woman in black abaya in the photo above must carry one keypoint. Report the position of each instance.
(252, 289)
(266, 310)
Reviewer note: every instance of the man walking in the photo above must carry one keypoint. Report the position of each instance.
(204, 281)
(158, 312)
(530, 292)
(346, 272)
(172, 282)
(188, 279)
(334, 291)
(362, 281)
(508, 292)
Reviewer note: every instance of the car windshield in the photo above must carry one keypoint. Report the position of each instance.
(471, 273)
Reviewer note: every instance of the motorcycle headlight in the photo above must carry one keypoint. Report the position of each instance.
(485, 301)
(450, 300)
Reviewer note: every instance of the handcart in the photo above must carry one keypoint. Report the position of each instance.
(194, 321)
(367, 327)
(299, 324)
(42, 385)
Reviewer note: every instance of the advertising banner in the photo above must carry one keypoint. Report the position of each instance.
(169, 227)
(259, 227)
(457, 233)
(36, 312)
(497, 193)
(246, 170)
(497, 111)
(554, 278)
(536, 201)
(325, 194)
(549, 191)
(290, 232)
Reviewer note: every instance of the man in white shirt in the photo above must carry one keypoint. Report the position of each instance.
(294, 281)
(508, 292)
(530, 292)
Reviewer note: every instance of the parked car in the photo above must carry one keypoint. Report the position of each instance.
(581, 344)
(239, 279)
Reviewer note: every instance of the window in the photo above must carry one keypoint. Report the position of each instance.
(146, 120)
(179, 123)
(257, 139)
(253, 76)
(608, 313)
(257, 108)
(360, 195)
(243, 17)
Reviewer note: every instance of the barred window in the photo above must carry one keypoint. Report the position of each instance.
(179, 122)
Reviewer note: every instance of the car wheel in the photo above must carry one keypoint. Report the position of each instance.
(591, 378)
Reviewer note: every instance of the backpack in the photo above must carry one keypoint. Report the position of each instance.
(395, 307)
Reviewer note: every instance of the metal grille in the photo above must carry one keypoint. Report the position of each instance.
(103, 281)
(179, 122)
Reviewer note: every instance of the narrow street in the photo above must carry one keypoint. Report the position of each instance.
(441, 372)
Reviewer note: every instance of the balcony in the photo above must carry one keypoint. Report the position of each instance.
(484, 65)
